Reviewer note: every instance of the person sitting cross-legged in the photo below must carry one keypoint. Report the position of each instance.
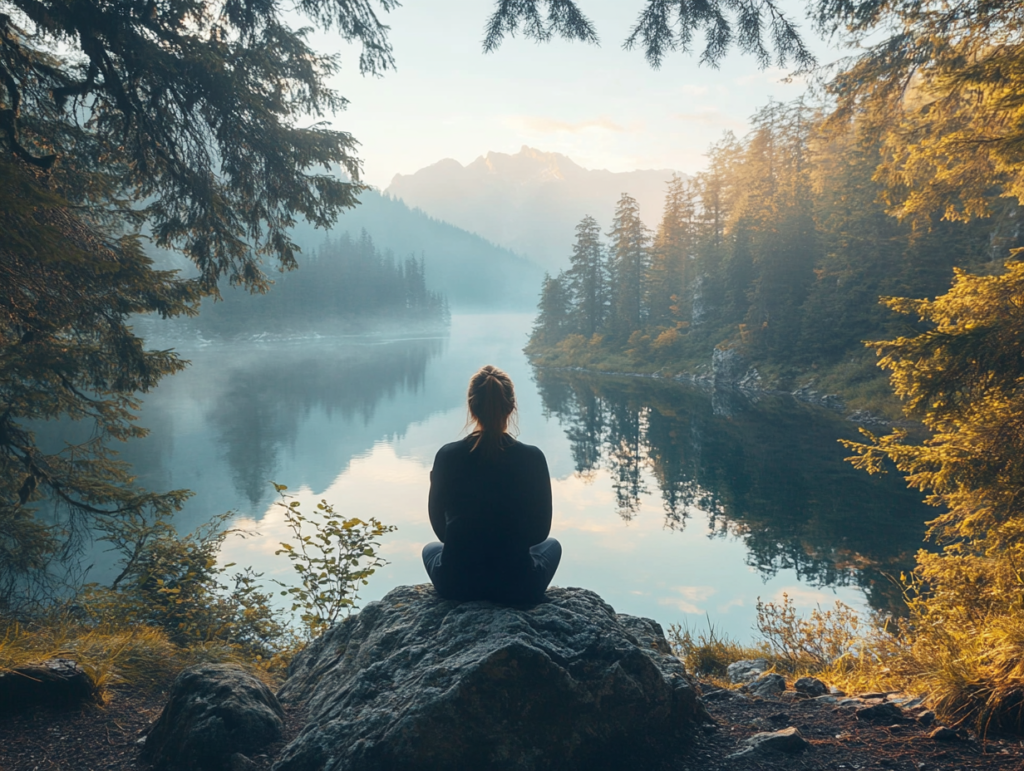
(490, 506)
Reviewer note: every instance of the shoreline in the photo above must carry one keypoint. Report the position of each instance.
(748, 388)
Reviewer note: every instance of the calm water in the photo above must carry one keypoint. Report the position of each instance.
(670, 502)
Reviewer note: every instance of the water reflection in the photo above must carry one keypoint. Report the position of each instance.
(769, 473)
(260, 411)
(293, 413)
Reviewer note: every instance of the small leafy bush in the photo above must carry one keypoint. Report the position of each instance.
(173, 604)
(808, 643)
(333, 556)
(177, 584)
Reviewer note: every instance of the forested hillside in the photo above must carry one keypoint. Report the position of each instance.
(780, 250)
(346, 283)
(470, 271)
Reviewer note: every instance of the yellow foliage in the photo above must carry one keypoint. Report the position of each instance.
(963, 642)
(667, 339)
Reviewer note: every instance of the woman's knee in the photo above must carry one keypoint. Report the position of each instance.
(549, 550)
(432, 554)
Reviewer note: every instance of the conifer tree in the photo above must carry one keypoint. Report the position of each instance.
(670, 273)
(587, 282)
(554, 312)
(715, 191)
(628, 258)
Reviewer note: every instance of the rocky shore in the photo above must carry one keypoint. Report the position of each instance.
(416, 682)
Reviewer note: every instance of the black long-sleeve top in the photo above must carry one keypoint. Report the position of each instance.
(488, 510)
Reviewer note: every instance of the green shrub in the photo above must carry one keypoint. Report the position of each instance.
(332, 560)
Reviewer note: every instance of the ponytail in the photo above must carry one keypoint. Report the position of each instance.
(492, 401)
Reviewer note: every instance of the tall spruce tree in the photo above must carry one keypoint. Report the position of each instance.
(554, 312)
(628, 260)
(670, 272)
(587, 279)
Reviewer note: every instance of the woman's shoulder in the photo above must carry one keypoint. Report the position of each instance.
(525, 449)
(454, 449)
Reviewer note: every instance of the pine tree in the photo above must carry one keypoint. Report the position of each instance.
(628, 259)
(587, 282)
(670, 276)
(188, 122)
(554, 313)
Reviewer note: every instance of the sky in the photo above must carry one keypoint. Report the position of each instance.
(603, 107)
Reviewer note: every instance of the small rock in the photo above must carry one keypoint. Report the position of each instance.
(787, 740)
(872, 695)
(746, 670)
(54, 682)
(812, 686)
(835, 691)
(943, 734)
(214, 712)
(723, 694)
(926, 718)
(766, 686)
(880, 713)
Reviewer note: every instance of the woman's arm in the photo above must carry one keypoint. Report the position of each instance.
(538, 508)
(437, 500)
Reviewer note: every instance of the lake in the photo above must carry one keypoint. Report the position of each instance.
(670, 501)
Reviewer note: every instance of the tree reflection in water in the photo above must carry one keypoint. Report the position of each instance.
(265, 402)
(769, 471)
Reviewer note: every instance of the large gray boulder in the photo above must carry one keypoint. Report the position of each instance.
(414, 682)
(215, 713)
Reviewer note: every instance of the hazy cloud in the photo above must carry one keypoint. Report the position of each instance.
(771, 75)
(690, 596)
(542, 125)
(710, 116)
(804, 597)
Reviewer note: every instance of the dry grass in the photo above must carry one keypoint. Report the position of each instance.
(708, 653)
(139, 655)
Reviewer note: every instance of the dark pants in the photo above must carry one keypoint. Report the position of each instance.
(528, 587)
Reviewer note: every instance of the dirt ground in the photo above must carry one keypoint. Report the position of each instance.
(107, 738)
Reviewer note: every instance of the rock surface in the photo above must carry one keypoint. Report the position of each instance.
(880, 713)
(53, 683)
(216, 714)
(417, 682)
(788, 740)
(766, 686)
(811, 686)
(746, 670)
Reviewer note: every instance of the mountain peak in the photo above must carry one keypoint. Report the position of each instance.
(529, 201)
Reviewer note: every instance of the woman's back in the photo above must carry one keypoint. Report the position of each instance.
(490, 506)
